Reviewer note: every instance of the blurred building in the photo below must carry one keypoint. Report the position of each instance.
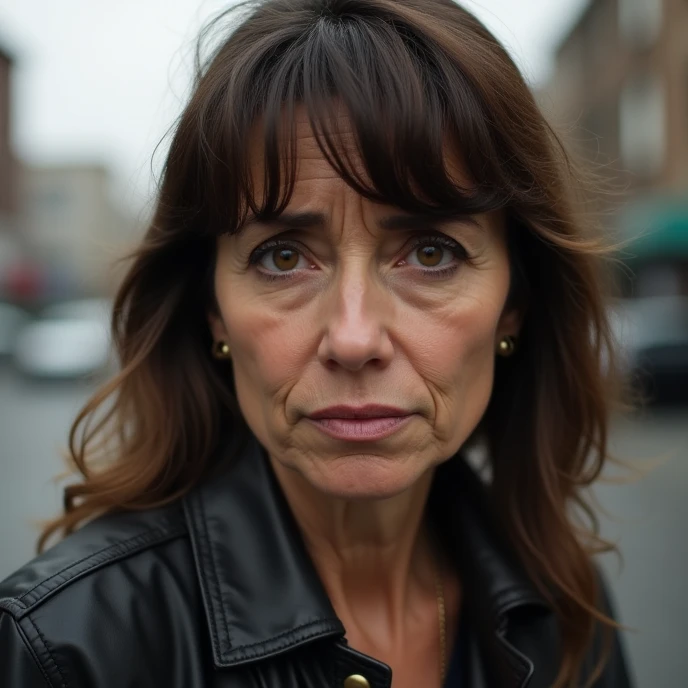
(60, 231)
(620, 95)
(9, 248)
(73, 227)
(7, 165)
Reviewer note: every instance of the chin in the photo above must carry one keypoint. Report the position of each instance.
(363, 476)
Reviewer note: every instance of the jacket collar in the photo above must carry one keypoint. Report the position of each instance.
(459, 507)
(495, 586)
(260, 589)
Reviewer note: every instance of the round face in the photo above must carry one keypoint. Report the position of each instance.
(363, 338)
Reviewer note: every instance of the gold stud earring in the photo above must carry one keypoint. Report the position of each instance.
(221, 350)
(507, 346)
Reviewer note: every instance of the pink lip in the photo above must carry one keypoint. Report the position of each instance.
(362, 423)
(367, 411)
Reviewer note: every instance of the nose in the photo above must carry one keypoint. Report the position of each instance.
(357, 315)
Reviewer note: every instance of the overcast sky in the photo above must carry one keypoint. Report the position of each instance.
(102, 81)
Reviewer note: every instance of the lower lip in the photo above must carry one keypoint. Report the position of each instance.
(361, 429)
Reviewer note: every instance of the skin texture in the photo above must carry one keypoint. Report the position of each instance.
(358, 321)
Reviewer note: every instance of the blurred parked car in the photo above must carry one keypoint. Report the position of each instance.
(12, 319)
(653, 335)
(67, 340)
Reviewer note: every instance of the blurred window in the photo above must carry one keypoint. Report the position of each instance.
(640, 21)
(601, 36)
(642, 124)
(600, 125)
(571, 63)
(659, 280)
(52, 199)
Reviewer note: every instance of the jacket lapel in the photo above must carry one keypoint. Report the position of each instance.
(260, 590)
(496, 589)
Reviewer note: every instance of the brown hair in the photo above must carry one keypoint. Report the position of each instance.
(411, 76)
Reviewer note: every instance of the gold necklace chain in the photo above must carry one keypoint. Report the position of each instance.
(441, 613)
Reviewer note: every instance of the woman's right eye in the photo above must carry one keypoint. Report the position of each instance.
(277, 258)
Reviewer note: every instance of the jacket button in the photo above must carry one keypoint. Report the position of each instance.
(356, 681)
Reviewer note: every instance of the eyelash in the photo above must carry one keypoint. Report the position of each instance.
(432, 240)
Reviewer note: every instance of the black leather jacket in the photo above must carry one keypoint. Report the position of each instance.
(218, 591)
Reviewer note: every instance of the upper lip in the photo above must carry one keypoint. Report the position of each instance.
(367, 411)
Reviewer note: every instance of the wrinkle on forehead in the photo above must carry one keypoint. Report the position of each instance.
(311, 163)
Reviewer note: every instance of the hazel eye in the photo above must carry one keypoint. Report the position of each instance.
(283, 259)
(278, 258)
(431, 254)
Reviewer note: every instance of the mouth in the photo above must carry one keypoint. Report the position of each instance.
(362, 423)
(356, 412)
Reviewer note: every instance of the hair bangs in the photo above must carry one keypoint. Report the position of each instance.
(383, 105)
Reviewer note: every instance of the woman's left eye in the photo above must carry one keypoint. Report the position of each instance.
(430, 254)
(434, 253)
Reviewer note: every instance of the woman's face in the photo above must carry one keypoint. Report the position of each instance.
(347, 303)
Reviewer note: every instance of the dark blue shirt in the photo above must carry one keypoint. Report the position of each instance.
(459, 656)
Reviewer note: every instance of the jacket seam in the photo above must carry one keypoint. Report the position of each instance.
(31, 651)
(514, 597)
(291, 631)
(241, 656)
(523, 666)
(97, 558)
(10, 605)
(48, 651)
(215, 594)
(520, 663)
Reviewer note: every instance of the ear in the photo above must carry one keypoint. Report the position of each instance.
(217, 327)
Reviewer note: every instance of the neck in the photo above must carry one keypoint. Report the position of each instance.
(374, 555)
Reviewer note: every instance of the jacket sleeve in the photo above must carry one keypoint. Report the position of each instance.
(616, 672)
(18, 665)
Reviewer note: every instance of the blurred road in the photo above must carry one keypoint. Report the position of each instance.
(34, 422)
(650, 517)
(649, 521)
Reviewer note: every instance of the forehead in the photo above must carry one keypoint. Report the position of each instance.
(298, 140)
(316, 180)
(312, 164)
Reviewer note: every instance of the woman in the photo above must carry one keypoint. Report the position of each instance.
(365, 262)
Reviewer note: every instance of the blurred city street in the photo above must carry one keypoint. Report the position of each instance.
(647, 517)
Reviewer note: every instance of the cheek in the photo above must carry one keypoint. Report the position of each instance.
(460, 372)
(267, 347)
(456, 345)
(455, 354)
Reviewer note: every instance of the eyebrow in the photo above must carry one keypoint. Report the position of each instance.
(304, 220)
(310, 220)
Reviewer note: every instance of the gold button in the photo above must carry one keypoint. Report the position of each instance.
(356, 681)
